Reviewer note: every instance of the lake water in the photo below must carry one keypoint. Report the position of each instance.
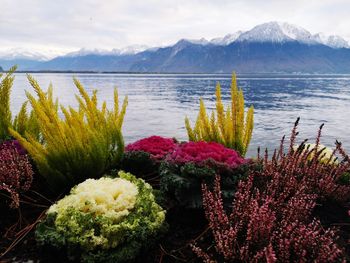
(158, 103)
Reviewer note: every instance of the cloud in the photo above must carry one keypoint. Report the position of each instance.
(60, 26)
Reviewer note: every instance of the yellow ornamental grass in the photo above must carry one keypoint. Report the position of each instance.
(84, 144)
(229, 127)
(5, 112)
(22, 123)
(25, 123)
(326, 157)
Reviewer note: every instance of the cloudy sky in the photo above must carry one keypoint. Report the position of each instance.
(60, 26)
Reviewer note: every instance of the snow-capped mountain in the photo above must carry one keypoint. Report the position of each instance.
(277, 32)
(84, 52)
(337, 42)
(129, 50)
(280, 32)
(133, 49)
(254, 50)
(226, 40)
(331, 41)
(20, 53)
(201, 41)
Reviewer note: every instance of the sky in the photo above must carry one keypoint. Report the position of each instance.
(60, 26)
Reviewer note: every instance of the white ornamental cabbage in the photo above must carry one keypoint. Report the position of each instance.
(104, 220)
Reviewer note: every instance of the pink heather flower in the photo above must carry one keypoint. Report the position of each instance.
(158, 147)
(202, 152)
(16, 174)
(272, 213)
(264, 227)
(15, 144)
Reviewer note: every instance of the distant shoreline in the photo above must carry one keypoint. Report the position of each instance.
(260, 75)
(276, 74)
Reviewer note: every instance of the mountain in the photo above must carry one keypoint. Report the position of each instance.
(129, 50)
(24, 58)
(277, 32)
(266, 48)
(21, 54)
(226, 40)
(331, 41)
(24, 64)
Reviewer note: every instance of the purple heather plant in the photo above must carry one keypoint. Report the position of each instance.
(261, 228)
(271, 218)
(16, 174)
(17, 145)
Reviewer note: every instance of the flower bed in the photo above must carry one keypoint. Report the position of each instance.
(284, 208)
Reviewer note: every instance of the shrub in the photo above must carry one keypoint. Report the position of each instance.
(105, 220)
(271, 218)
(267, 228)
(192, 163)
(15, 144)
(22, 123)
(321, 177)
(16, 174)
(84, 144)
(229, 127)
(143, 157)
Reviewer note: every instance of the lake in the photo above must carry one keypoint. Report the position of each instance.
(158, 103)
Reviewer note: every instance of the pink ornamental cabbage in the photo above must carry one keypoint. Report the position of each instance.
(200, 153)
(158, 147)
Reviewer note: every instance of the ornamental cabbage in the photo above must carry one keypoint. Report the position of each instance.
(144, 156)
(201, 153)
(158, 147)
(193, 163)
(104, 220)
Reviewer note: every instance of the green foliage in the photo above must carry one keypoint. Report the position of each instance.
(22, 123)
(84, 144)
(182, 183)
(230, 128)
(140, 164)
(128, 222)
(345, 179)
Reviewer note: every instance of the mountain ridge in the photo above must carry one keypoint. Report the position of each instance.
(269, 47)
